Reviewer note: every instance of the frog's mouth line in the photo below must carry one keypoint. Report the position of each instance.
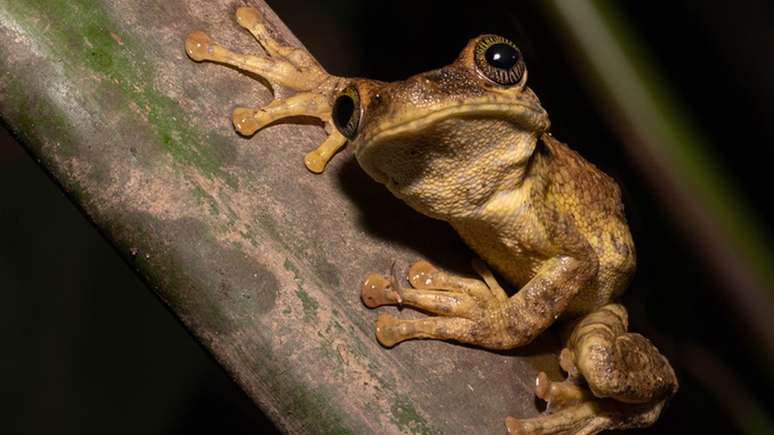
(526, 115)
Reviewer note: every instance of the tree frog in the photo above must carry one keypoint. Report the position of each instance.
(468, 143)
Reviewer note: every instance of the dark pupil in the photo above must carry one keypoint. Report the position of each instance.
(502, 56)
(343, 109)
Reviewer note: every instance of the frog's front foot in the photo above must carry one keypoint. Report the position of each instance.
(388, 330)
(463, 305)
(284, 65)
(377, 290)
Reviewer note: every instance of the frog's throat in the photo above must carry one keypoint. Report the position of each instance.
(528, 117)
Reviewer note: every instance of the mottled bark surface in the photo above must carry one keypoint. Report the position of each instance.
(259, 258)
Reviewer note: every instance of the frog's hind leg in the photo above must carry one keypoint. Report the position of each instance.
(615, 363)
(287, 66)
(616, 380)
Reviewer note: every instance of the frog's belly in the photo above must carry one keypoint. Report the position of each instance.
(517, 270)
(515, 262)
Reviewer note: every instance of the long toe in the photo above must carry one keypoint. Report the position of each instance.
(377, 291)
(420, 274)
(388, 330)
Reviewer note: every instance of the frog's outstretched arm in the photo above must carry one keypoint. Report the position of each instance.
(284, 65)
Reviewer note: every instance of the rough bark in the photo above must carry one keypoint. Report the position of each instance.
(259, 258)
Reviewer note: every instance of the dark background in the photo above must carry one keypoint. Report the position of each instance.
(86, 348)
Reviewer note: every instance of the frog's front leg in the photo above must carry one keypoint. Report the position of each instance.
(460, 300)
(287, 66)
(435, 290)
(482, 314)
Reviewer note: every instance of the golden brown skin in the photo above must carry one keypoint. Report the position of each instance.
(457, 145)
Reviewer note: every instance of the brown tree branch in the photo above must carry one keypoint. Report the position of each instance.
(259, 258)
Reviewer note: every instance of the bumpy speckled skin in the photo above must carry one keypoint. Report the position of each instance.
(457, 146)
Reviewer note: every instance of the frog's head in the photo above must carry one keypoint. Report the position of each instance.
(446, 140)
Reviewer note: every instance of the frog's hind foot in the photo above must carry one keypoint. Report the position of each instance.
(616, 380)
(570, 410)
(588, 418)
(615, 363)
(558, 395)
(282, 64)
(584, 418)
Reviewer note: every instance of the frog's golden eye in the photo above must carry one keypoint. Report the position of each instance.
(346, 112)
(499, 60)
